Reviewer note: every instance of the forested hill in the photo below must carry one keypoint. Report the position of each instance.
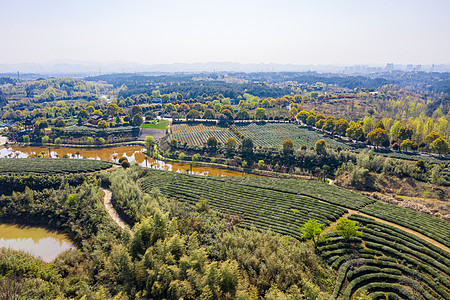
(272, 84)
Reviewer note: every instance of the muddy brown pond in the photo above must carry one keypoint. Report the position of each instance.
(39, 242)
(46, 244)
(132, 153)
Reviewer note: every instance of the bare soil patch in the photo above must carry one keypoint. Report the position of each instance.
(156, 133)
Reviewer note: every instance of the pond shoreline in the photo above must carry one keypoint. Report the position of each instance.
(40, 241)
(132, 143)
(136, 152)
(33, 223)
(246, 171)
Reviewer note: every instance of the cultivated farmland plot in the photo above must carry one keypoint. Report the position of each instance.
(309, 188)
(264, 208)
(268, 135)
(431, 226)
(387, 262)
(273, 135)
(51, 165)
(339, 198)
(198, 134)
(88, 129)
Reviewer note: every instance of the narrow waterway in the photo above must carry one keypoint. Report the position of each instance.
(132, 153)
(37, 241)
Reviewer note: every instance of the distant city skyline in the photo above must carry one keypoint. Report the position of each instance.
(323, 32)
(83, 69)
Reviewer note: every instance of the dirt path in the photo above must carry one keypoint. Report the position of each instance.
(111, 211)
(351, 211)
(424, 237)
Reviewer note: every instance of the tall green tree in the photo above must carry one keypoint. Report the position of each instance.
(320, 146)
(432, 136)
(302, 116)
(193, 114)
(138, 120)
(150, 143)
(136, 109)
(404, 133)
(209, 114)
(406, 144)
(311, 120)
(348, 228)
(440, 145)
(329, 124)
(355, 131)
(212, 142)
(231, 143)
(341, 126)
(395, 130)
(247, 149)
(312, 230)
(288, 145)
(260, 114)
(242, 114)
(112, 110)
(378, 137)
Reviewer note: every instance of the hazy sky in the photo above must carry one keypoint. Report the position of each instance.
(283, 31)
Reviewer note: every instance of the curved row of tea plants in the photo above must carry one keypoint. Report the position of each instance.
(387, 260)
(263, 208)
(431, 226)
(310, 188)
(51, 165)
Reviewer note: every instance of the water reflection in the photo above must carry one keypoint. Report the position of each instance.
(132, 153)
(39, 242)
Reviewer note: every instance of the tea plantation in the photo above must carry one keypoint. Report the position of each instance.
(260, 207)
(386, 262)
(51, 165)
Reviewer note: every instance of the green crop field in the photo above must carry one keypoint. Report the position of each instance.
(159, 125)
(264, 208)
(428, 225)
(309, 188)
(431, 226)
(267, 135)
(194, 187)
(273, 134)
(198, 134)
(387, 262)
(51, 165)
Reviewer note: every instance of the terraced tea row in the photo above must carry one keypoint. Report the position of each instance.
(310, 188)
(387, 260)
(272, 135)
(431, 226)
(198, 134)
(268, 135)
(51, 165)
(266, 209)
